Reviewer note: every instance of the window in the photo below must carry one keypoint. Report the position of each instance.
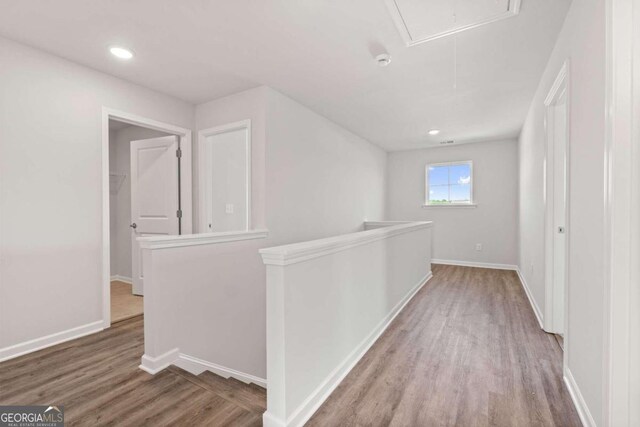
(449, 184)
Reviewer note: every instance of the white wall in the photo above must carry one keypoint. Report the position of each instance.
(209, 301)
(493, 223)
(322, 180)
(582, 40)
(50, 195)
(251, 105)
(327, 302)
(120, 207)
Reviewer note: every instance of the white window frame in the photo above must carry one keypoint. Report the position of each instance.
(470, 204)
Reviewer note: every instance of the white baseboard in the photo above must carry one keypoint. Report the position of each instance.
(475, 264)
(120, 278)
(197, 366)
(153, 365)
(269, 420)
(532, 302)
(49, 340)
(311, 404)
(578, 400)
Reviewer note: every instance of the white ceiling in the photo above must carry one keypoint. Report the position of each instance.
(319, 52)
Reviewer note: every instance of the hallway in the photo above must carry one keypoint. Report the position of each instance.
(466, 351)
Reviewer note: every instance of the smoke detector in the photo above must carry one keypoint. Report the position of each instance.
(383, 59)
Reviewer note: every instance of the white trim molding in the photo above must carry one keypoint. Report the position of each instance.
(621, 349)
(369, 275)
(560, 86)
(427, 190)
(197, 366)
(396, 15)
(123, 279)
(372, 225)
(452, 206)
(163, 242)
(475, 264)
(30, 346)
(532, 301)
(578, 400)
(203, 170)
(153, 365)
(186, 202)
(304, 251)
(311, 404)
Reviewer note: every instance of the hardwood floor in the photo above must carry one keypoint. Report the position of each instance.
(97, 380)
(466, 351)
(124, 305)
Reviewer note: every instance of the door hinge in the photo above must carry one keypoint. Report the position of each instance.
(179, 213)
(179, 153)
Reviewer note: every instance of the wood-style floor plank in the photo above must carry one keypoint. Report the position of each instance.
(124, 304)
(466, 351)
(98, 381)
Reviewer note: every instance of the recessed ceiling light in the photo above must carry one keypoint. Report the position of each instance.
(121, 52)
(434, 131)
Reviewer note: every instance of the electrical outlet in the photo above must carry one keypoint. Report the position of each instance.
(229, 208)
(478, 246)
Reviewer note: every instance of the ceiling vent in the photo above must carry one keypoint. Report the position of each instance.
(446, 142)
(420, 21)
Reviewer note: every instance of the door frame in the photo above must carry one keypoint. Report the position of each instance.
(202, 169)
(184, 135)
(561, 83)
(621, 371)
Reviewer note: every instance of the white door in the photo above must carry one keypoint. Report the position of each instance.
(226, 180)
(154, 195)
(559, 211)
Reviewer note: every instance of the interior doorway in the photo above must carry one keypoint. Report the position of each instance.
(146, 191)
(557, 207)
(143, 181)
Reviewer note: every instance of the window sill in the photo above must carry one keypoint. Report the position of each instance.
(466, 205)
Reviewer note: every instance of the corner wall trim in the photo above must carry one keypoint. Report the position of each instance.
(49, 340)
(197, 366)
(578, 400)
(153, 365)
(532, 302)
(311, 404)
(475, 264)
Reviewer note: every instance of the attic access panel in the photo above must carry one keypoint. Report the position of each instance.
(419, 21)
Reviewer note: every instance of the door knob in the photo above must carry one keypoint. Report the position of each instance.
(134, 226)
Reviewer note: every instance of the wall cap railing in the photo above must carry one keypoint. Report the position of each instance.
(370, 225)
(163, 242)
(299, 252)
